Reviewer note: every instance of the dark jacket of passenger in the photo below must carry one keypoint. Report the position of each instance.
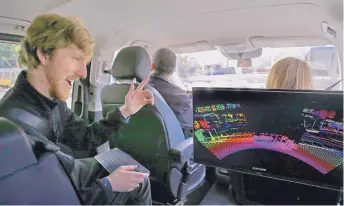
(176, 98)
(74, 132)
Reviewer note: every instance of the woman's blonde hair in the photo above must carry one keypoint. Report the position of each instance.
(49, 32)
(290, 73)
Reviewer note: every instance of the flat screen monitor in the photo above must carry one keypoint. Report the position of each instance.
(289, 135)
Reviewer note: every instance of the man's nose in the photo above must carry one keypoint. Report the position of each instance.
(82, 72)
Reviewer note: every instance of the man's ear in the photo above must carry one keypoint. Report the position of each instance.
(43, 59)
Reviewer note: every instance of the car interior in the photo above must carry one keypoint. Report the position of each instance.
(227, 45)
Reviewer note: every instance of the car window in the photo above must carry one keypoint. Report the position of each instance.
(212, 69)
(9, 68)
(175, 79)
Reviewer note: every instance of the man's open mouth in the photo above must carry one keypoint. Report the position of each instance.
(69, 82)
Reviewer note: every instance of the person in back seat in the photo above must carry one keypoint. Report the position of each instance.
(55, 52)
(290, 73)
(287, 73)
(164, 65)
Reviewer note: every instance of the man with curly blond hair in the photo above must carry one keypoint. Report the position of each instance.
(55, 52)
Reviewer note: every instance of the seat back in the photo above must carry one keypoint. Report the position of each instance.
(153, 135)
(28, 178)
(148, 137)
(151, 132)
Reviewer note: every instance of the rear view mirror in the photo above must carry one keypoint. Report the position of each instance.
(244, 63)
(244, 55)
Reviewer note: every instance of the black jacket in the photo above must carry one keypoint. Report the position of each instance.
(74, 132)
(178, 100)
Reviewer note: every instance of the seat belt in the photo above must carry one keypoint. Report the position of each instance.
(27, 118)
(23, 116)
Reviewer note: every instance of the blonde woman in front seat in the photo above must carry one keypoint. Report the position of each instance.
(290, 73)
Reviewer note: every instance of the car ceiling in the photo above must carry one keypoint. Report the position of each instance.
(166, 23)
(27, 9)
(116, 23)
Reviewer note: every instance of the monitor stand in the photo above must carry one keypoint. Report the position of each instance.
(252, 189)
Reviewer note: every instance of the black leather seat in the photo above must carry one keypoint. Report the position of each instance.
(153, 136)
(26, 179)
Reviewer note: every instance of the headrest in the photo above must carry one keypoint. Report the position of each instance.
(10, 131)
(15, 150)
(131, 62)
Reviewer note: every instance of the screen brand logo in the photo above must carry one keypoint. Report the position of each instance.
(259, 169)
